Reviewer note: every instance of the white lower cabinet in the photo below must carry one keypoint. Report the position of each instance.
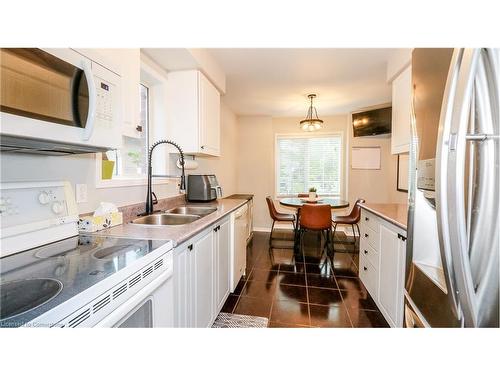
(182, 286)
(222, 257)
(201, 276)
(203, 287)
(369, 276)
(382, 265)
(390, 296)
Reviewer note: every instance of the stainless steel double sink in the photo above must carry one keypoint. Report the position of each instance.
(175, 216)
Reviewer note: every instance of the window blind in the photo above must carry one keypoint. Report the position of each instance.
(309, 161)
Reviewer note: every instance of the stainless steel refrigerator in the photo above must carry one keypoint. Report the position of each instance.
(452, 263)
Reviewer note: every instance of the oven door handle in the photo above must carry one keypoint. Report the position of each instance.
(125, 308)
(89, 125)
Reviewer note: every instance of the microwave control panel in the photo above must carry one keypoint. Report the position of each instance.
(104, 107)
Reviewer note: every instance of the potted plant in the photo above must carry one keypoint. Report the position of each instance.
(312, 193)
(136, 159)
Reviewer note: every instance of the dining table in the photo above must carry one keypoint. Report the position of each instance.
(297, 203)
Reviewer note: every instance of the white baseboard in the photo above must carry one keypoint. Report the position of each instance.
(261, 229)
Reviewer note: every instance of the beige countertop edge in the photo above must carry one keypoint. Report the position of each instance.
(386, 212)
(178, 234)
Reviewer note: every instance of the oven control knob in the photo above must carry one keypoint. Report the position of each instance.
(57, 207)
(43, 198)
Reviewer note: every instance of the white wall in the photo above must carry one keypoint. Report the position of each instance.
(375, 186)
(256, 162)
(80, 169)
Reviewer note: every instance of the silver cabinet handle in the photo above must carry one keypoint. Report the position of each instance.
(482, 137)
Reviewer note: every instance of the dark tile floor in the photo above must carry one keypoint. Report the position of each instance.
(303, 291)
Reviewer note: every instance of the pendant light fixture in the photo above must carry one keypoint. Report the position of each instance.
(311, 122)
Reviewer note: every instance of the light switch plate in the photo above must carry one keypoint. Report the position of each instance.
(81, 193)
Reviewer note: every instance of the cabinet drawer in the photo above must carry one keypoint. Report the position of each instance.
(369, 220)
(370, 253)
(369, 276)
(370, 236)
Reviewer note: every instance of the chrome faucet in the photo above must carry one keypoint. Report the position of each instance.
(150, 194)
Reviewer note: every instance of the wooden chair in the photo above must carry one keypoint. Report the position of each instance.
(303, 195)
(277, 216)
(316, 217)
(352, 219)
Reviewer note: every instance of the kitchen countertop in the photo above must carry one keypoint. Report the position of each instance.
(395, 213)
(241, 196)
(176, 233)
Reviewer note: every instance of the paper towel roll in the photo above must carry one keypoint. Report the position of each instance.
(188, 164)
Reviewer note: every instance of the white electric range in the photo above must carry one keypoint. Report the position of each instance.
(53, 277)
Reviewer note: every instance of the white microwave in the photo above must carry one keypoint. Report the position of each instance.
(59, 101)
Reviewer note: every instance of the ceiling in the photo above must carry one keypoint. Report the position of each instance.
(275, 81)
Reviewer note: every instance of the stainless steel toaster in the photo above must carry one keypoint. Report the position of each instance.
(203, 188)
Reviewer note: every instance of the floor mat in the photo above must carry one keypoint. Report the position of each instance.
(226, 320)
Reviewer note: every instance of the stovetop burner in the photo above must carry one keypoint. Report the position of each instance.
(35, 281)
(18, 297)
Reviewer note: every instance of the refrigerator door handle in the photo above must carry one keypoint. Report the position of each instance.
(481, 137)
(447, 141)
(473, 239)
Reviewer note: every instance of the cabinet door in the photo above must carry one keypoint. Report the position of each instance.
(209, 117)
(223, 236)
(202, 274)
(182, 286)
(131, 78)
(401, 112)
(390, 295)
(369, 276)
(250, 219)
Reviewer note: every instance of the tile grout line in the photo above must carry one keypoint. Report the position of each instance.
(272, 302)
(307, 294)
(343, 302)
(243, 287)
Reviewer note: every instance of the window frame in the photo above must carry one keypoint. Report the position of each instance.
(339, 133)
(153, 80)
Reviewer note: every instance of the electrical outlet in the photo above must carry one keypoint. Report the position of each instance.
(81, 193)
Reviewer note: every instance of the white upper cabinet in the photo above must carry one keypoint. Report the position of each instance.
(401, 112)
(193, 113)
(209, 117)
(131, 78)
